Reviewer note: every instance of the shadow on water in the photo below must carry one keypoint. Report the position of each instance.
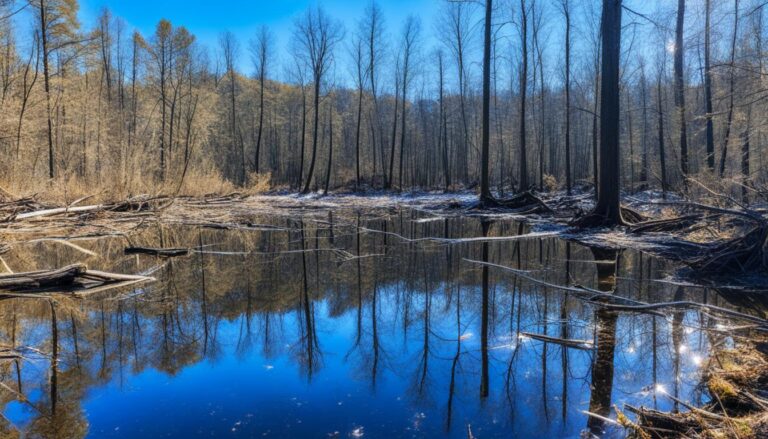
(348, 324)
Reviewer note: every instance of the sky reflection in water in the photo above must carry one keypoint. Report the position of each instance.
(299, 339)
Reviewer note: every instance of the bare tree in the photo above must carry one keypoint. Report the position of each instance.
(680, 87)
(57, 26)
(567, 15)
(260, 50)
(317, 35)
(230, 50)
(731, 89)
(371, 29)
(411, 32)
(485, 180)
(607, 212)
(361, 73)
(523, 91)
(710, 136)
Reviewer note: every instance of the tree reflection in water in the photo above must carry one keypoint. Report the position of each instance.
(331, 322)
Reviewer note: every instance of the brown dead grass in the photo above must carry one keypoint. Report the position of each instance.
(68, 189)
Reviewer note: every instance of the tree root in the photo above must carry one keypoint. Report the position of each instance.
(666, 225)
(745, 253)
(523, 203)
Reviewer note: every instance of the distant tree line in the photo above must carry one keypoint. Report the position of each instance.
(356, 106)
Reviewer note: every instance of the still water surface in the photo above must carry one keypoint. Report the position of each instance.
(345, 325)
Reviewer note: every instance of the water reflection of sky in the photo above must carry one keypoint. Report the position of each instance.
(383, 366)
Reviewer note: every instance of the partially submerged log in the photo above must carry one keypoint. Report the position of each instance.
(162, 252)
(586, 345)
(71, 278)
(64, 276)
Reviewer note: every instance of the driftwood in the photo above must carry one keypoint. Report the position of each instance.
(586, 345)
(163, 252)
(74, 278)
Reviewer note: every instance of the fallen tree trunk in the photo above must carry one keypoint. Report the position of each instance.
(586, 345)
(69, 278)
(163, 252)
(41, 279)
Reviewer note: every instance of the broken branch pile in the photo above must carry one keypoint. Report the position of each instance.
(736, 380)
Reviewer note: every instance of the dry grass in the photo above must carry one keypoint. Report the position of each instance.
(735, 379)
(65, 190)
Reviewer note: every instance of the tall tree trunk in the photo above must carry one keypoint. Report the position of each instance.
(644, 156)
(394, 137)
(444, 125)
(303, 134)
(731, 90)
(745, 147)
(567, 12)
(357, 136)
(680, 89)
(607, 212)
(662, 152)
(47, 83)
(708, 87)
(330, 151)
(595, 167)
(316, 116)
(261, 118)
(523, 90)
(485, 181)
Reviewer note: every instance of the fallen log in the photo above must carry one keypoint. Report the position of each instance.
(586, 345)
(162, 252)
(59, 211)
(71, 278)
(64, 276)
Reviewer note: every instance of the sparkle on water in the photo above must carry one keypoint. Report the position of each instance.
(337, 326)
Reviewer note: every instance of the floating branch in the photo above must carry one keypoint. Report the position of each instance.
(575, 344)
(163, 252)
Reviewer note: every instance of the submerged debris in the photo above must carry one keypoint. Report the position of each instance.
(162, 252)
(71, 278)
(737, 382)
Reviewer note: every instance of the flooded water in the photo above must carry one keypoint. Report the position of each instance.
(345, 325)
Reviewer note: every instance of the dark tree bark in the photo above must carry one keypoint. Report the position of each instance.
(317, 34)
(523, 90)
(710, 136)
(330, 151)
(567, 13)
(731, 90)
(662, 152)
(644, 153)
(47, 83)
(607, 212)
(485, 181)
(390, 177)
(680, 88)
(261, 50)
(443, 123)
(745, 149)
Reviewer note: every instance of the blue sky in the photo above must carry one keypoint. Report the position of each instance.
(207, 19)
